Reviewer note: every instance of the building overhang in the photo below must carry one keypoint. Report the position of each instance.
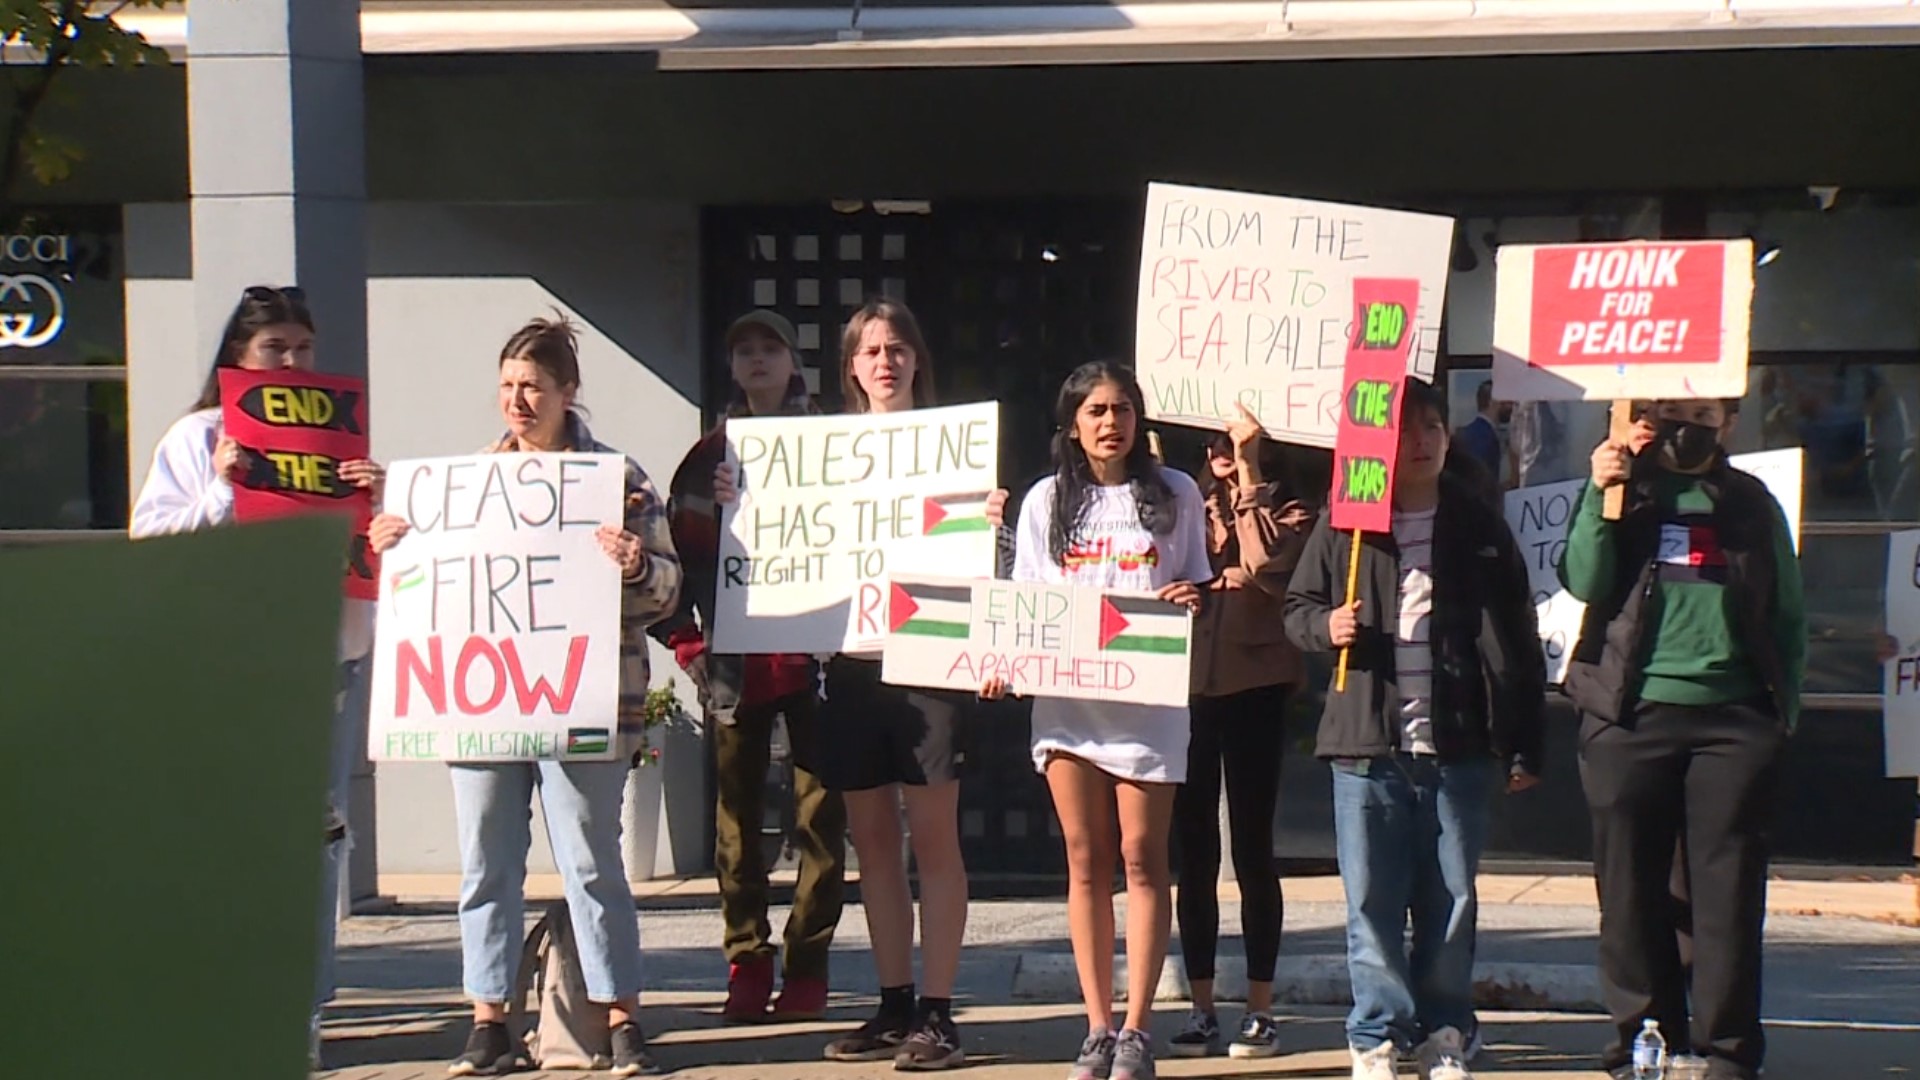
(760, 36)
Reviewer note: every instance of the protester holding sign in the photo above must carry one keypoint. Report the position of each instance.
(539, 382)
(1687, 676)
(1112, 517)
(743, 696)
(1443, 705)
(1243, 667)
(190, 486)
(897, 746)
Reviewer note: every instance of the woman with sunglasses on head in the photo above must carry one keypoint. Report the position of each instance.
(1112, 517)
(897, 746)
(190, 487)
(539, 381)
(743, 696)
(1243, 668)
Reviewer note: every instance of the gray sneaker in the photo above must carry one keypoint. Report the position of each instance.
(1096, 1058)
(1132, 1056)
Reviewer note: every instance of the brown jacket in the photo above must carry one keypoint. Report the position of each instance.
(1239, 641)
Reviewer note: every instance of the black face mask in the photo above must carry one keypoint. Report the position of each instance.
(1684, 446)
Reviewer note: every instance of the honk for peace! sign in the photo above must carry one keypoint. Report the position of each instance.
(1605, 322)
(831, 505)
(1248, 299)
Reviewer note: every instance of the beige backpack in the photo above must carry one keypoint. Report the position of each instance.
(572, 1031)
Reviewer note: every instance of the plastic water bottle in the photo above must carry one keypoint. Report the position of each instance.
(1649, 1051)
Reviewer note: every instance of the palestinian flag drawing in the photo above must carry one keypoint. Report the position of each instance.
(930, 610)
(944, 515)
(408, 578)
(587, 740)
(1141, 625)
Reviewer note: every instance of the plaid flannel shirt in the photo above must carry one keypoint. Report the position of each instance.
(646, 598)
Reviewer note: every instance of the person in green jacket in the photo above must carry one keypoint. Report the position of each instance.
(1687, 676)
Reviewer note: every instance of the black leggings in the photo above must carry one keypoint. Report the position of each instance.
(1245, 731)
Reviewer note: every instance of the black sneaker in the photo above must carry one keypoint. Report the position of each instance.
(1199, 1038)
(1258, 1038)
(876, 1040)
(932, 1045)
(490, 1052)
(630, 1057)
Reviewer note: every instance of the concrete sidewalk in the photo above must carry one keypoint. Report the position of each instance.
(411, 1037)
(1892, 902)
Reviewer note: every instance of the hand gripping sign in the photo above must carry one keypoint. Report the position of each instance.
(297, 428)
(1368, 439)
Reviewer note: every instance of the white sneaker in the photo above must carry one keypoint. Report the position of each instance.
(1379, 1063)
(1444, 1056)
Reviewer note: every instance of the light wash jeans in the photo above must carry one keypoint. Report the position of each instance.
(349, 721)
(494, 805)
(1409, 833)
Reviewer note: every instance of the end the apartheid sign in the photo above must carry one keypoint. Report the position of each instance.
(831, 505)
(1607, 322)
(298, 427)
(498, 633)
(1044, 640)
(1376, 371)
(1248, 299)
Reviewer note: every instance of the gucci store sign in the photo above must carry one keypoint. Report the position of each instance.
(33, 310)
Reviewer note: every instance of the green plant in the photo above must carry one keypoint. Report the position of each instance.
(662, 708)
(56, 35)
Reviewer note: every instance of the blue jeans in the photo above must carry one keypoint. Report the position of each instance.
(494, 807)
(349, 720)
(1410, 832)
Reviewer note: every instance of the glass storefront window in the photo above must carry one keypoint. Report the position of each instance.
(63, 454)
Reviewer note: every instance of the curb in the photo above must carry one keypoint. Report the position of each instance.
(1319, 979)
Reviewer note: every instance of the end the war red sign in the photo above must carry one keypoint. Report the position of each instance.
(1368, 439)
(1610, 321)
(298, 428)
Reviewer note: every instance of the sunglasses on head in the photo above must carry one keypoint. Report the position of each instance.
(266, 294)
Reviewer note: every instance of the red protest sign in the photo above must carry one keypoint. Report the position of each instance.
(1640, 319)
(1368, 439)
(298, 428)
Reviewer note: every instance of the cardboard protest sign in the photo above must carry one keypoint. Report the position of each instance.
(1247, 298)
(1539, 515)
(1045, 640)
(136, 763)
(831, 505)
(1609, 322)
(298, 427)
(1900, 693)
(1376, 370)
(498, 633)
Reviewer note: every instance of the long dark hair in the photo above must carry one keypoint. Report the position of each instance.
(260, 306)
(1073, 481)
(894, 314)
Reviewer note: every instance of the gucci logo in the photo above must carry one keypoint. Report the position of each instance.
(32, 312)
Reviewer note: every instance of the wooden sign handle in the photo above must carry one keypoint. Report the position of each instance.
(1619, 429)
(1353, 583)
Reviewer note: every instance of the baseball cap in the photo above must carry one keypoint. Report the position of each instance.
(772, 323)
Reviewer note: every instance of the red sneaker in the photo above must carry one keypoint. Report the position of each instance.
(802, 997)
(749, 986)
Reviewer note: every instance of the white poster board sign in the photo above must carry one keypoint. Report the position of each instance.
(831, 505)
(1901, 680)
(1249, 298)
(1606, 322)
(1539, 515)
(498, 632)
(1044, 640)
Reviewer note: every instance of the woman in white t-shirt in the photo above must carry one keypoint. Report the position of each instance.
(1112, 517)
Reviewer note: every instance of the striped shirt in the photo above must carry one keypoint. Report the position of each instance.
(1413, 645)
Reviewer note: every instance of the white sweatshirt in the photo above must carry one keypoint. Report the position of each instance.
(182, 494)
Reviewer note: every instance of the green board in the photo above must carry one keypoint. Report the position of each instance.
(168, 704)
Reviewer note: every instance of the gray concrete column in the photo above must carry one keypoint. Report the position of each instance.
(275, 127)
